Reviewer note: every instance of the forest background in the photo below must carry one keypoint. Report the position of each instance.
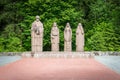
(100, 20)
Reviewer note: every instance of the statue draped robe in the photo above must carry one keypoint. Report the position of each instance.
(79, 38)
(55, 38)
(37, 36)
(67, 38)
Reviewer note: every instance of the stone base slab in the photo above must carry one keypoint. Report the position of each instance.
(59, 54)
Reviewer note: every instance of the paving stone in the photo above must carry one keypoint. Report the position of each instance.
(57, 69)
(8, 59)
(113, 62)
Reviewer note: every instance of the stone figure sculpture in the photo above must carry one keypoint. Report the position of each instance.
(79, 38)
(55, 38)
(67, 38)
(37, 35)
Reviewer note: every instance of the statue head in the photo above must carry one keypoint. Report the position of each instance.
(54, 24)
(67, 25)
(37, 18)
(79, 25)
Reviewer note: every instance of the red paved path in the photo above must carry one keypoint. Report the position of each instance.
(57, 69)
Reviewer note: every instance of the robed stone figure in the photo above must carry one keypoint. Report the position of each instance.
(55, 38)
(67, 38)
(37, 35)
(79, 38)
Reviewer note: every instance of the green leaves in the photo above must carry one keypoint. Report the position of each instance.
(100, 20)
(10, 39)
(14, 45)
(102, 38)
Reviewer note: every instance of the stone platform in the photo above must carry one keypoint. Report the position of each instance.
(59, 55)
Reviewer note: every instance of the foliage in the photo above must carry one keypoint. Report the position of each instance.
(100, 19)
(102, 38)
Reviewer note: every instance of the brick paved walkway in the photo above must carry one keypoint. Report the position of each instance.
(57, 69)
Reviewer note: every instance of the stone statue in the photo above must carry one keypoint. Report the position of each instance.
(79, 38)
(55, 38)
(37, 35)
(67, 38)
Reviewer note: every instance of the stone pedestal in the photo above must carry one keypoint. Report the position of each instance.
(59, 55)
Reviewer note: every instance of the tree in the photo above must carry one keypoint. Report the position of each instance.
(100, 19)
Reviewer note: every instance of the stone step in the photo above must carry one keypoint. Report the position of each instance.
(59, 55)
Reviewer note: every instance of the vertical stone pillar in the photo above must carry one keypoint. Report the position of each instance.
(55, 38)
(37, 35)
(79, 38)
(67, 38)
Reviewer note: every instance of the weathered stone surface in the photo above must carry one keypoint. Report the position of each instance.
(47, 54)
(67, 38)
(79, 38)
(37, 35)
(64, 55)
(55, 38)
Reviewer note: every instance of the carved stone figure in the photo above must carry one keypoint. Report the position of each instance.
(67, 38)
(79, 38)
(55, 38)
(37, 35)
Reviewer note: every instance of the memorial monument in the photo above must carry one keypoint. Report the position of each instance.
(55, 38)
(79, 38)
(67, 38)
(37, 42)
(37, 35)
